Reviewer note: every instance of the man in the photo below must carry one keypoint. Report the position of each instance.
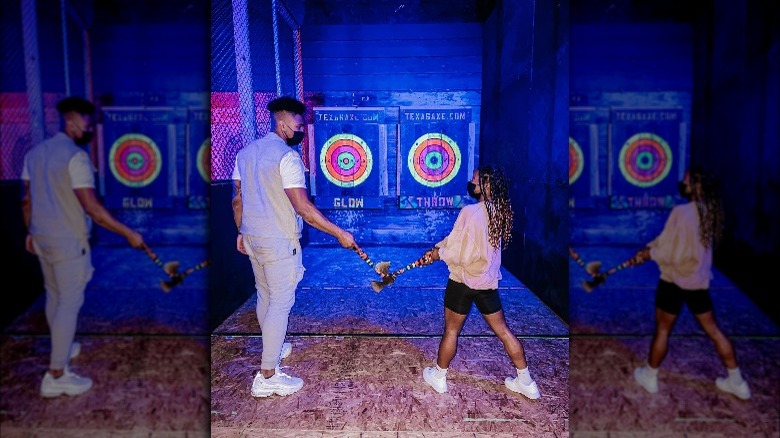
(269, 200)
(58, 206)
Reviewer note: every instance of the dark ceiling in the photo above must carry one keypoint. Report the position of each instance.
(331, 12)
(636, 11)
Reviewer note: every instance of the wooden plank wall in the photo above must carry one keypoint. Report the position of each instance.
(393, 65)
(627, 65)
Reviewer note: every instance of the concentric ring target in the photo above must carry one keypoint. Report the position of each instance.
(576, 160)
(135, 160)
(434, 159)
(645, 159)
(346, 160)
(203, 160)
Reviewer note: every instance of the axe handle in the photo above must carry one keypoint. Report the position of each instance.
(364, 257)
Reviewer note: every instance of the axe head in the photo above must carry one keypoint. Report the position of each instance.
(167, 285)
(171, 268)
(379, 285)
(592, 284)
(382, 268)
(593, 268)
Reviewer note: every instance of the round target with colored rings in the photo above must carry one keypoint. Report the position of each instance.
(346, 160)
(203, 160)
(576, 160)
(135, 160)
(645, 159)
(434, 159)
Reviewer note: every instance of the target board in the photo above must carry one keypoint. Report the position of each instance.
(135, 160)
(583, 156)
(436, 157)
(198, 167)
(647, 157)
(137, 171)
(350, 152)
(576, 161)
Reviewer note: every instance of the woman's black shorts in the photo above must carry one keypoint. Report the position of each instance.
(670, 298)
(458, 297)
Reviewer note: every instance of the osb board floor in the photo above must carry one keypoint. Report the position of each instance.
(605, 401)
(611, 328)
(153, 386)
(366, 386)
(146, 351)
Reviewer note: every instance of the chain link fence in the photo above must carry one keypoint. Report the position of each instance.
(254, 58)
(44, 56)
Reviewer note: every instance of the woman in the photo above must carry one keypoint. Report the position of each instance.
(683, 252)
(472, 252)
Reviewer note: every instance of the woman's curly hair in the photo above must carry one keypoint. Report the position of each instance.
(709, 206)
(499, 207)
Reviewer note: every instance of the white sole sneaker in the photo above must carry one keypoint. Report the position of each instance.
(650, 383)
(279, 384)
(438, 384)
(75, 349)
(68, 384)
(741, 391)
(531, 390)
(286, 350)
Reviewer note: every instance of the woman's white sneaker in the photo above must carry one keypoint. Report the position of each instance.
(647, 379)
(741, 389)
(438, 383)
(531, 390)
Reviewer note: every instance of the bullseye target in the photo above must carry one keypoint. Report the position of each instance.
(203, 160)
(135, 160)
(576, 160)
(645, 159)
(434, 159)
(346, 160)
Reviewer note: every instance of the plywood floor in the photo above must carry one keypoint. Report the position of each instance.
(611, 330)
(361, 356)
(146, 351)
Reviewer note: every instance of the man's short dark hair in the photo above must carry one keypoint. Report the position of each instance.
(286, 103)
(77, 104)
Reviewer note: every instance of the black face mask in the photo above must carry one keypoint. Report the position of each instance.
(471, 187)
(85, 139)
(683, 189)
(296, 139)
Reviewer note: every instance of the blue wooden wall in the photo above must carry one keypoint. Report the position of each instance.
(620, 66)
(511, 65)
(736, 135)
(525, 129)
(146, 56)
(143, 53)
(395, 66)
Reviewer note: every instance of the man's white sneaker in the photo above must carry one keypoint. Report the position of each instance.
(740, 390)
(280, 384)
(75, 349)
(438, 383)
(286, 350)
(531, 391)
(645, 378)
(68, 383)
